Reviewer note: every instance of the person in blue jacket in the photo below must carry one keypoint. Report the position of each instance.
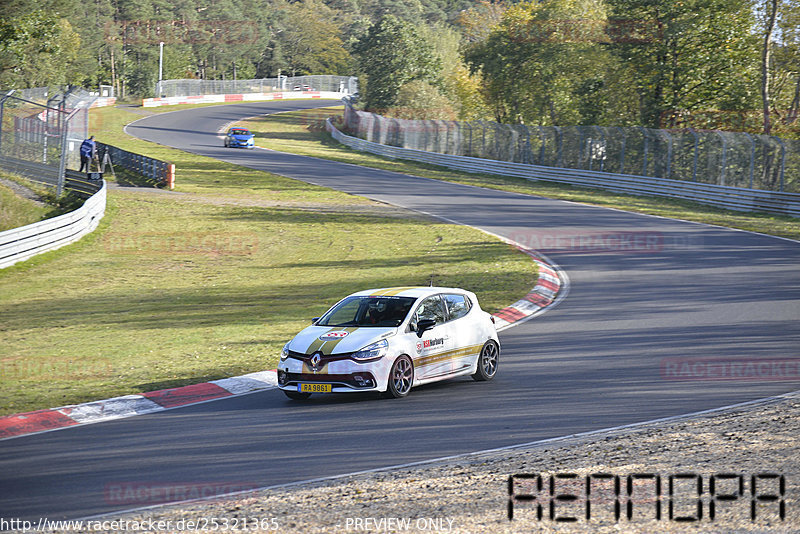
(88, 151)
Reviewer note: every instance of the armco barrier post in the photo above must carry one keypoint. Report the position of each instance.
(2, 108)
(171, 176)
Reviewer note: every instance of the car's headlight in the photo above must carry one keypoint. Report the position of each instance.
(372, 352)
(285, 352)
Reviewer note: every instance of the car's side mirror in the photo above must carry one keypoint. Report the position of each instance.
(314, 320)
(423, 325)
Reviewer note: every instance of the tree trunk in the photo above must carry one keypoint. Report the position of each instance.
(772, 13)
(792, 116)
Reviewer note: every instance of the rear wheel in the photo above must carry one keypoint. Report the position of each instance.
(487, 362)
(401, 378)
(296, 395)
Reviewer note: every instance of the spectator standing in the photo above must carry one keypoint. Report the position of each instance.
(88, 153)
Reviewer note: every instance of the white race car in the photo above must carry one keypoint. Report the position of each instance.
(390, 340)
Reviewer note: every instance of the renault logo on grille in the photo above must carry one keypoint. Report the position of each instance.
(315, 359)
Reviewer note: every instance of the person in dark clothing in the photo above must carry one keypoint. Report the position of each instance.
(88, 152)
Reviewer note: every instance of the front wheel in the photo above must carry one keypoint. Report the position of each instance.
(296, 395)
(401, 378)
(487, 362)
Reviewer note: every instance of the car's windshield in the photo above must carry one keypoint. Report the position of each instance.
(368, 311)
(240, 132)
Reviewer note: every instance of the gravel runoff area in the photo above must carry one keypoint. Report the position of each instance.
(470, 494)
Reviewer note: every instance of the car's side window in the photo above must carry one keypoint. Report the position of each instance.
(431, 308)
(457, 306)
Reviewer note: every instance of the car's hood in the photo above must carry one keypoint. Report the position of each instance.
(242, 137)
(337, 340)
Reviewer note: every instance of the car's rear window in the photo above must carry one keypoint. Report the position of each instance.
(368, 311)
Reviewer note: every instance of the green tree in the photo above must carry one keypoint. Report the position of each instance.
(455, 82)
(36, 49)
(546, 63)
(391, 55)
(781, 68)
(311, 41)
(420, 100)
(696, 55)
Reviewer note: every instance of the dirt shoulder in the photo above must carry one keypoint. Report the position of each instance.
(22, 191)
(471, 494)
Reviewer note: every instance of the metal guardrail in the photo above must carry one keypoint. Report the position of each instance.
(40, 173)
(19, 244)
(733, 198)
(80, 184)
(159, 172)
(77, 182)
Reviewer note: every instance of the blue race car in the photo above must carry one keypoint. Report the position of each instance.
(239, 137)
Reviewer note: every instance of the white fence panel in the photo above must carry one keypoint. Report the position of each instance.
(19, 244)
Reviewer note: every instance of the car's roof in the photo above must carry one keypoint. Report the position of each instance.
(239, 130)
(407, 291)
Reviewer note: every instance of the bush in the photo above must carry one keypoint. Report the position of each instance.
(421, 100)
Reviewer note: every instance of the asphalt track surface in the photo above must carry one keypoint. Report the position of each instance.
(597, 360)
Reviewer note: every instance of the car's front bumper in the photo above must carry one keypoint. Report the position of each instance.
(241, 144)
(344, 383)
(344, 375)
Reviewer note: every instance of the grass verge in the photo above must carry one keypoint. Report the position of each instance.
(302, 132)
(16, 211)
(176, 288)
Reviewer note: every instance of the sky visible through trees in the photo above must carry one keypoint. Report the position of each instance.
(727, 64)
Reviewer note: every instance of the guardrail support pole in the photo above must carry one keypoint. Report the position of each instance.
(669, 155)
(543, 148)
(783, 159)
(560, 149)
(724, 158)
(646, 142)
(62, 163)
(752, 156)
(2, 108)
(696, 146)
(605, 131)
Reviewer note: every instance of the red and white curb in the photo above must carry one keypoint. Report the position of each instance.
(541, 296)
(129, 405)
(239, 97)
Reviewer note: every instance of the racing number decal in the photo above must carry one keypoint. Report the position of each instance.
(326, 346)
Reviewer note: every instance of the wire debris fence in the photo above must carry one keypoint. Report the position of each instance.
(41, 131)
(732, 159)
(338, 84)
